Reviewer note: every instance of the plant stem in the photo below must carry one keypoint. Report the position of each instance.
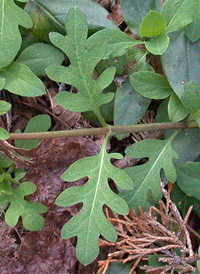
(102, 131)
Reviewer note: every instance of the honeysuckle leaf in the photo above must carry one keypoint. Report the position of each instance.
(29, 211)
(11, 16)
(188, 179)
(40, 56)
(118, 42)
(89, 223)
(191, 101)
(146, 177)
(4, 135)
(156, 86)
(80, 73)
(2, 83)
(178, 13)
(158, 45)
(4, 107)
(39, 123)
(21, 80)
(152, 25)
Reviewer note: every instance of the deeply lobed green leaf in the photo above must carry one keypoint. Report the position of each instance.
(29, 211)
(80, 72)
(147, 176)
(90, 221)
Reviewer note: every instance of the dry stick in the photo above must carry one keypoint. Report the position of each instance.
(102, 131)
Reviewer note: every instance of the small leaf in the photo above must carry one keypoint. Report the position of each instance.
(119, 268)
(2, 83)
(155, 86)
(118, 42)
(89, 223)
(11, 16)
(40, 56)
(192, 30)
(151, 85)
(134, 11)
(158, 45)
(4, 107)
(152, 25)
(191, 101)
(39, 123)
(29, 211)
(146, 177)
(21, 80)
(188, 179)
(4, 135)
(80, 73)
(178, 13)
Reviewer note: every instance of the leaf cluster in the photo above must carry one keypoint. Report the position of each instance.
(171, 30)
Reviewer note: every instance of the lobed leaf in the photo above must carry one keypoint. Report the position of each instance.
(147, 176)
(29, 211)
(80, 73)
(89, 223)
(11, 16)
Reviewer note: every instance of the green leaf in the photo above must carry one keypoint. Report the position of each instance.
(176, 109)
(186, 144)
(21, 80)
(178, 13)
(192, 30)
(155, 86)
(134, 11)
(2, 83)
(29, 211)
(4, 135)
(129, 106)
(39, 56)
(152, 25)
(181, 62)
(89, 223)
(183, 201)
(147, 176)
(191, 100)
(11, 16)
(49, 16)
(4, 107)
(119, 268)
(118, 42)
(151, 85)
(188, 179)
(39, 123)
(80, 73)
(158, 45)
(4, 162)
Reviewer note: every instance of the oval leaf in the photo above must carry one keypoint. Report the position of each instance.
(21, 80)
